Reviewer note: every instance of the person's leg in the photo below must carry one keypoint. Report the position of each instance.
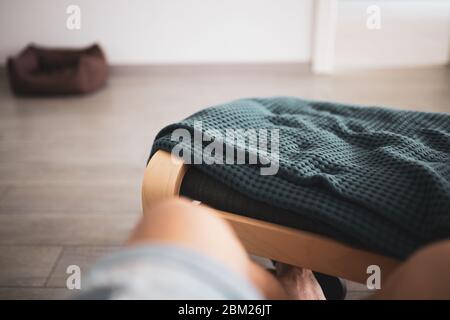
(425, 275)
(183, 223)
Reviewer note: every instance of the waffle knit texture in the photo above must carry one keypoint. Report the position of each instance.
(380, 175)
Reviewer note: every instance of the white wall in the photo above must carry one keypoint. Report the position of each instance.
(166, 31)
(413, 33)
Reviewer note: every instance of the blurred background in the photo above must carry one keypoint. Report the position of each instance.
(139, 32)
(71, 166)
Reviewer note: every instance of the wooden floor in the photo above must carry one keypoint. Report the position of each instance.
(71, 168)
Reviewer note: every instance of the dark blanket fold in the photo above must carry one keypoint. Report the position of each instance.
(378, 175)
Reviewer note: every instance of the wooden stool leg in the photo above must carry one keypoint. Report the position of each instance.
(162, 178)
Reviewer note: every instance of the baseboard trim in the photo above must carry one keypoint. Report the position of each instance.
(208, 68)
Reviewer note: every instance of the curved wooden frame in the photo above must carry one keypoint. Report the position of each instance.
(163, 177)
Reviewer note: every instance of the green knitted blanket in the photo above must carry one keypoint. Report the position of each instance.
(381, 176)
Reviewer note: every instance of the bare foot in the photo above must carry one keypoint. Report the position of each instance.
(299, 283)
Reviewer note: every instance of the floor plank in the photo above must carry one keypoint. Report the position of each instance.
(3, 190)
(34, 293)
(57, 229)
(83, 257)
(26, 266)
(73, 199)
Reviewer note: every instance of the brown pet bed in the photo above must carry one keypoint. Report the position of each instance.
(41, 71)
